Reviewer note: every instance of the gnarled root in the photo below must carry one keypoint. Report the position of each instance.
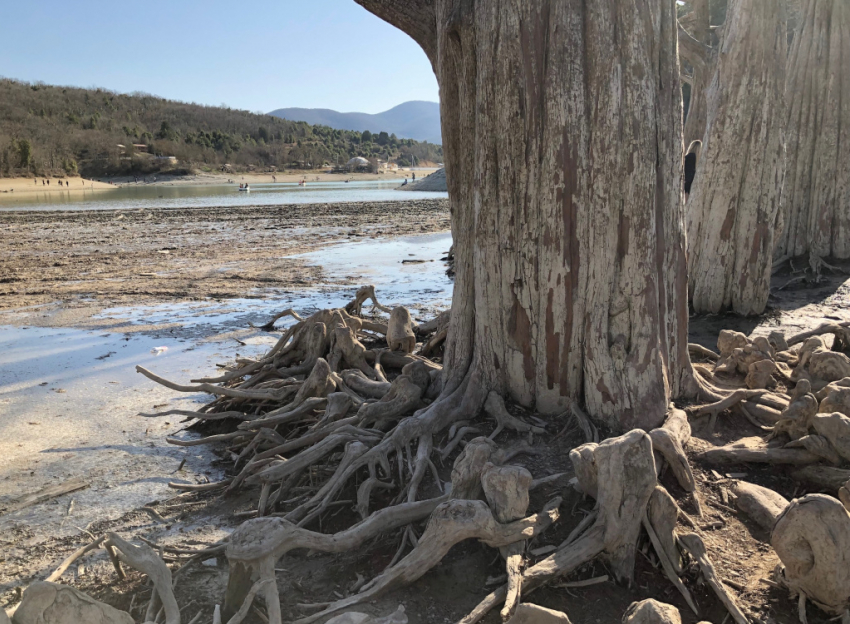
(403, 397)
(145, 560)
(450, 523)
(269, 326)
(622, 473)
(812, 539)
(696, 547)
(364, 293)
(755, 450)
(495, 407)
(268, 539)
(764, 506)
(506, 490)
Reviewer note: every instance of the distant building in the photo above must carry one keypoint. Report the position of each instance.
(358, 164)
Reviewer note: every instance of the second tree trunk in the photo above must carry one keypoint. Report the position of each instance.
(734, 203)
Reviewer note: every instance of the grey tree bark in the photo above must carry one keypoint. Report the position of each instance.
(562, 132)
(734, 203)
(816, 204)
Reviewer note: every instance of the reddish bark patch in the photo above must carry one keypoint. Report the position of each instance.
(728, 224)
(604, 392)
(566, 181)
(519, 328)
(553, 344)
(623, 237)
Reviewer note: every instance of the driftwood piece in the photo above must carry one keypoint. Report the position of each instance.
(821, 394)
(836, 400)
(825, 478)
(701, 352)
(49, 603)
(755, 450)
(817, 445)
(45, 494)
(506, 490)
(663, 514)
(729, 340)
(812, 539)
(363, 294)
(760, 375)
(651, 612)
(696, 547)
(400, 336)
(820, 330)
(361, 384)
(835, 428)
(144, 559)
(762, 505)
(829, 365)
(57, 574)
(352, 617)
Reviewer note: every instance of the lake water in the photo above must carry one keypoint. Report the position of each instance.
(71, 400)
(185, 196)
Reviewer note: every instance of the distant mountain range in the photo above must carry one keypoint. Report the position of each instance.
(411, 120)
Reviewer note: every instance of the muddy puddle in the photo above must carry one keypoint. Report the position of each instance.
(70, 399)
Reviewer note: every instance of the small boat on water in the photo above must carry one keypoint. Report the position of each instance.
(244, 188)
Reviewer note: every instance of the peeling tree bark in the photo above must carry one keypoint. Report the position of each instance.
(562, 133)
(816, 203)
(734, 201)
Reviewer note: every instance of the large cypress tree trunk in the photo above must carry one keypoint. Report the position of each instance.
(734, 203)
(562, 134)
(816, 202)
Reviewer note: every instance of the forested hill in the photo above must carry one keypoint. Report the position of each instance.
(46, 129)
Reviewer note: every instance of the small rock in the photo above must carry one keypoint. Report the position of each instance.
(534, 614)
(50, 603)
(652, 612)
(353, 617)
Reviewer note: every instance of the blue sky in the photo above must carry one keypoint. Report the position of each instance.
(258, 55)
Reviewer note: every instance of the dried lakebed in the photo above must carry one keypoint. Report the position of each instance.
(85, 419)
(138, 256)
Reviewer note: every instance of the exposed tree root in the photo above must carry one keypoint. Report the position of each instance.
(332, 407)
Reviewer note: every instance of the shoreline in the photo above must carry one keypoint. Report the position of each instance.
(106, 183)
(293, 177)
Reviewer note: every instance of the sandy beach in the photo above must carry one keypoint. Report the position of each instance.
(30, 185)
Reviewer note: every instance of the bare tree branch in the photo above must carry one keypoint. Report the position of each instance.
(695, 52)
(417, 18)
